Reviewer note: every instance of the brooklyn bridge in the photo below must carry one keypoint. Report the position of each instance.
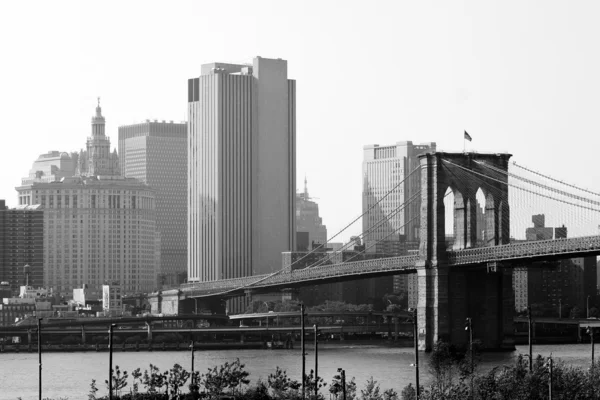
(467, 278)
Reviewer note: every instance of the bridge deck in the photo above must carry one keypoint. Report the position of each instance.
(512, 253)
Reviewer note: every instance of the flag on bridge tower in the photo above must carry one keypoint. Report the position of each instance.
(468, 137)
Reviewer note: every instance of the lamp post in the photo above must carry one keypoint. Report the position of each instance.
(302, 349)
(343, 377)
(587, 304)
(192, 347)
(110, 337)
(590, 332)
(469, 327)
(316, 326)
(267, 304)
(550, 365)
(529, 335)
(39, 338)
(416, 344)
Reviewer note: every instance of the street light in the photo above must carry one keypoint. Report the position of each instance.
(590, 332)
(529, 335)
(39, 337)
(343, 377)
(110, 336)
(416, 344)
(316, 326)
(587, 303)
(267, 304)
(469, 327)
(303, 350)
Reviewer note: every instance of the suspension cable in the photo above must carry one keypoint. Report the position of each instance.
(521, 188)
(550, 188)
(555, 180)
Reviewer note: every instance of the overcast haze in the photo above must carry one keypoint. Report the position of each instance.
(521, 77)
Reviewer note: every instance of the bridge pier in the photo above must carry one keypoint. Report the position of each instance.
(82, 334)
(448, 294)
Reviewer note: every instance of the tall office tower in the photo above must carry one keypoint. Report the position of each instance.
(97, 158)
(309, 225)
(97, 228)
(387, 227)
(156, 153)
(21, 244)
(241, 169)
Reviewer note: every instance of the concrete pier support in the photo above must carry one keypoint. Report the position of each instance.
(149, 328)
(82, 334)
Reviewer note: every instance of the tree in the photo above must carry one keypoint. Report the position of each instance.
(594, 312)
(576, 312)
(177, 378)
(119, 380)
(371, 391)
(280, 384)
(335, 388)
(154, 380)
(227, 376)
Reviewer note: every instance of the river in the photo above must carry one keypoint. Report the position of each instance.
(68, 375)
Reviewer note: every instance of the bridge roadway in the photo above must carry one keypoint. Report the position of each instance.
(508, 255)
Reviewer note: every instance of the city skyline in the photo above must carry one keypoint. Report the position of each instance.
(517, 77)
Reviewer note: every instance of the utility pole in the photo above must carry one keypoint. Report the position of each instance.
(303, 349)
(110, 337)
(416, 343)
(39, 337)
(530, 343)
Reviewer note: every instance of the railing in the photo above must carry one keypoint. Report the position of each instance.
(538, 248)
(324, 272)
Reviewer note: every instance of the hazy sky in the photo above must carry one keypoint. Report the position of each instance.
(521, 77)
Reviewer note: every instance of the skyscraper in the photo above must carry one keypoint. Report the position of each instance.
(388, 228)
(98, 226)
(21, 243)
(308, 222)
(156, 153)
(241, 169)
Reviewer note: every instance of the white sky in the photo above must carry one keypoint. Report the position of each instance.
(522, 77)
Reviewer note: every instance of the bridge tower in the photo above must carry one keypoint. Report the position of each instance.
(447, 295)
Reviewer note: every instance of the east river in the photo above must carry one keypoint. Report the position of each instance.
(68, 375)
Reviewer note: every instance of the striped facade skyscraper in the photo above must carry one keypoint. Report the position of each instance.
(241, 169)
(156, 153)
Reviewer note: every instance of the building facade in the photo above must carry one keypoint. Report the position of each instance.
(562, 284)
(21, 245)
(97, 225)
(391, 222)
(156, 154)
(308, 221)
(241, 169)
